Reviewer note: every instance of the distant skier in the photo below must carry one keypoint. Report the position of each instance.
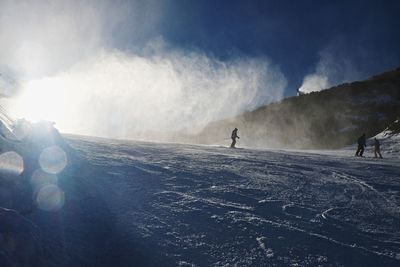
(234, 136)
(361, 144)
(377, 150)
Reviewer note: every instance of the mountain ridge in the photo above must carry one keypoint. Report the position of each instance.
(328, 119)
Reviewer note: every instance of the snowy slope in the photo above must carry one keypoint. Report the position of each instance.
(391, 144)
(149, 204)
(99, 202)
(390, 138)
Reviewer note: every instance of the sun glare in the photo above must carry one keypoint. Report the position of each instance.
(40, 100)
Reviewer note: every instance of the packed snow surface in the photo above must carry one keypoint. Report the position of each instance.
(151, 204)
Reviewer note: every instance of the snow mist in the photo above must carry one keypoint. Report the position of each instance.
(127, 96)
(335, 66)
(75, 72)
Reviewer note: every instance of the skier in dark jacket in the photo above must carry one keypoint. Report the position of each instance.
(234, 136)
(362, 140)
(377, 147)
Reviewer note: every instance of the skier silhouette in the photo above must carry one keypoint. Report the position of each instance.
(234, 136)
(377, 150)
(361, 144)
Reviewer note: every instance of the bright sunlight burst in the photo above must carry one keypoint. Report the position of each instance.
(41, 100)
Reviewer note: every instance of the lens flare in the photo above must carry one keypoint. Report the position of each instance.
(41, 178)
(11, 163)
(53, 159)
(50, 198)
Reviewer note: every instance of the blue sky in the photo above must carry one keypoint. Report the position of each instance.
(292, 34)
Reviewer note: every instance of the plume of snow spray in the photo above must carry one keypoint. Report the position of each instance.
(73, 74)
(119, 95)
(334, 67)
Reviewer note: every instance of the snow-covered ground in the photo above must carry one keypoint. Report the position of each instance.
(390, 147)
(390, 142)
(151, 204)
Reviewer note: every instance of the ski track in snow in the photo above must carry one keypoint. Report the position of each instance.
(187, 205)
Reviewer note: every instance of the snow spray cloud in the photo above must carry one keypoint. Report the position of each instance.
(115, 94)
(72, 72)
(334, 67)
(38, 38)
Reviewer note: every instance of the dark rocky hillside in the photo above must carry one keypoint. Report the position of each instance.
(330, 118)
